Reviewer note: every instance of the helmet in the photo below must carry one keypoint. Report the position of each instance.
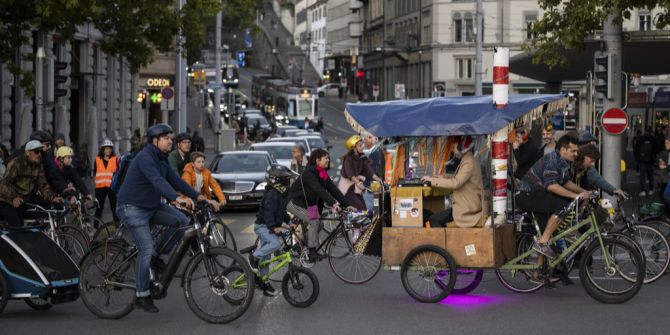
(182, 136)
(352, 141)
(279, 177)
(107, 143)
(158, 130)
(64, 151)
(41, 135)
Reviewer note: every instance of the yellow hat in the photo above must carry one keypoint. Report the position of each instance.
(64, 151)
(352, 141)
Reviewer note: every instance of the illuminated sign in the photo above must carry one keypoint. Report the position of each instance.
(158, 82)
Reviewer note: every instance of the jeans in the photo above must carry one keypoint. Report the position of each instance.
(369, 202)
(646, 174)
(137, 220)
(269, 244)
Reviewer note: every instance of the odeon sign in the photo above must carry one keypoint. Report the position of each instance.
(158, 82)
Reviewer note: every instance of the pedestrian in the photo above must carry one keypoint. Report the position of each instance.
(647, 155)
(299, 160)
(355, 170)
(179, 157)
(198, 143)
(256, 132)
(319, 124)
(636, 149)
(105, 166)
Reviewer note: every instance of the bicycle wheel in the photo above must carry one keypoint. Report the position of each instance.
(655, 248)
(38, 304)
(606, 276)
(428, 273)
(72, 245)
(91, 224)
(106, 231)
(107, 281)
(4, 293)
(226, 294)
(519, 280)
(222, 235)
(662, 225)
(79, 233)
(350, 266)
(300, 286)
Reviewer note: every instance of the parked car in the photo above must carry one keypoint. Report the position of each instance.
(280, 151)
(295, 140)
(241, 175)
(331, 89)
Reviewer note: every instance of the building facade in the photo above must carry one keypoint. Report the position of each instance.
(344, 30)
(317, 14)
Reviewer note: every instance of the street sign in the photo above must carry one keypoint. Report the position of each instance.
(614, 121)
(400, 91)
(375, 91)
(343, 82)
(167, 93)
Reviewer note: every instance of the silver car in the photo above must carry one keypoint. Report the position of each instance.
(280, 151)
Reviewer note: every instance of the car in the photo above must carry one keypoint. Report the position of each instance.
(252, 111)
(316, 142)
(281, 130)
(280, 151)
(310, 133)
(241, 175)
(328, 89)
(292, 132)
(295, 140)
(266, 129)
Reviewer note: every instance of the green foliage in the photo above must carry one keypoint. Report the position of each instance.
(566, 23)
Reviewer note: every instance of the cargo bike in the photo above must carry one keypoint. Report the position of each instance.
(437, 261)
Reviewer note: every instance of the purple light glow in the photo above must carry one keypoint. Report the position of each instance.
(469, 301)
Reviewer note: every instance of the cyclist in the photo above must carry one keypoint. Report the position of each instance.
(64, 163)
(149, 178)
(52, 173)
(22, 180)
(355, 170)
(105, 166)
(271, 214)
(308, 194)
(180, 156)
(200, 178)
(547, 189)
(585, 175)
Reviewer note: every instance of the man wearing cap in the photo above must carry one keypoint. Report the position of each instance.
(22, 180)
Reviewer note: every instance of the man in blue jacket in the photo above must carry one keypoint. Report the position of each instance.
(148, 179)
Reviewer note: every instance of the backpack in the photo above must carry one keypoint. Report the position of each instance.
(117, 179)
(646, 150)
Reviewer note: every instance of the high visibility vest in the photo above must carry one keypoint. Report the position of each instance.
(103, 175)
(388, 167)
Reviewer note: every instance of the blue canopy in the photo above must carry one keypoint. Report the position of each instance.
(443, 116)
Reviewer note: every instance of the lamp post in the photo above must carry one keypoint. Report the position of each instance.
(39, 82)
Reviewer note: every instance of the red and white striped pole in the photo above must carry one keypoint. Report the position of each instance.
(500, 145)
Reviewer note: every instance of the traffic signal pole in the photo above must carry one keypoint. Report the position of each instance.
(612, 149)
(219, 84)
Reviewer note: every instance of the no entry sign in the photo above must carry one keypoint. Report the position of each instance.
(614, 121)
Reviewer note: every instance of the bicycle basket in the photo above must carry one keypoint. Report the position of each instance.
(652, 209)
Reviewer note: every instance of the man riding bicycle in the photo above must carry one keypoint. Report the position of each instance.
(149, 177)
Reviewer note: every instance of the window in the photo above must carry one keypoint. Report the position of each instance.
(530, 19)
(469, 28)
(458, 28)
(464, 68)
(645, 22)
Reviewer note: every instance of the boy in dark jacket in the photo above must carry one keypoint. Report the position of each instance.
(271, 214)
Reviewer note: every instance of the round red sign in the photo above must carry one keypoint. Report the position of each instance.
(614, 121)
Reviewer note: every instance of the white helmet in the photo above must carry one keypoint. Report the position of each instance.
(107, 143)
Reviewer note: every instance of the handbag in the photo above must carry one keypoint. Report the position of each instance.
(313, 210)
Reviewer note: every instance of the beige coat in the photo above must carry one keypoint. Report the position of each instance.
(466, 185)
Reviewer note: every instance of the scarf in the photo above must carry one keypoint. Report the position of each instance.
(323, 174)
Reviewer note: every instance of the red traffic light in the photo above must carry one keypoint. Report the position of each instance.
(360, 74)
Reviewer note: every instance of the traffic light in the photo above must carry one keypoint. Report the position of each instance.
(142, 98)
(60, 78)
(603, 65)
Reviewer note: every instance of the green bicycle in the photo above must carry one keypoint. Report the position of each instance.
(612, 269)
(300, 286)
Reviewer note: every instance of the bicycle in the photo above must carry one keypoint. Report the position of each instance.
(81, 217)
(108, 276)
(296, 279)
(69, 237)
(612, 270)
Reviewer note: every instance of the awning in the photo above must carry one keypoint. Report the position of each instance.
(446, 116)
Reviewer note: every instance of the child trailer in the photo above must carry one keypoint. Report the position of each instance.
(34, 268)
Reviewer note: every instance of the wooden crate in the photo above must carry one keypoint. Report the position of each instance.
(470, 247)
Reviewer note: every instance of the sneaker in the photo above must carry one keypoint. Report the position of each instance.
(544, 249)
(643, 193)
(146, 304)
(253, 262)
(268, 290)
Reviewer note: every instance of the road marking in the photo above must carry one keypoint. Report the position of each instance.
(249, 230)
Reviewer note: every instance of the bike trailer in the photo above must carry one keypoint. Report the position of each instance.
(36, 267)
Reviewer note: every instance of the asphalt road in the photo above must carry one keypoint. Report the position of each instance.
(379, 307)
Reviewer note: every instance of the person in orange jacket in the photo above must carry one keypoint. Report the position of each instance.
(200, 178)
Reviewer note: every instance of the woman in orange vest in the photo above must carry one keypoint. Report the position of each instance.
(200, 178)
(106, 164)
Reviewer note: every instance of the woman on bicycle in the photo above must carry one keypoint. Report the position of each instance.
(355, 170)
(200, 178)
(310, 192)
(63, 161)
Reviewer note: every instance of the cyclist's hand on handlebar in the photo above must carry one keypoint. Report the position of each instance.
(279, 230)
(16, 202)
(336, 208)
(184, 202)
(89, 197)
(57, 200)
(621, 194)
(214, 204)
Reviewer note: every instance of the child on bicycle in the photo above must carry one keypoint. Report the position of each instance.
(63, 161)
(271, 214)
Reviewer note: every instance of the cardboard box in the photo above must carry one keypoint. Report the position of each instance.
(398, 242)
(407, 207)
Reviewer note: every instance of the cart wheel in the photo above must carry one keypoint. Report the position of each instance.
(4, 293)
(428, 273)
(38, 304)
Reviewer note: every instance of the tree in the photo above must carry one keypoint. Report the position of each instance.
(132, 29)
(567, 23)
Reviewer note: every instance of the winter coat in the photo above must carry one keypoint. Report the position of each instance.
(316, 190)
(208, 182)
